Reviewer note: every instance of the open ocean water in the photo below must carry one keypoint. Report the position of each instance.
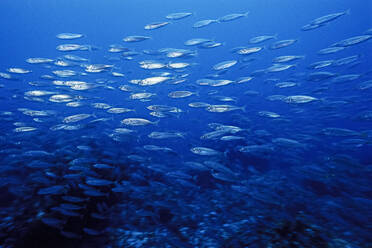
(191, 124)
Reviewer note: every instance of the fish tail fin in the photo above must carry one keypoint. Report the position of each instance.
(244, 108)
(347, 12)
(182, 135)
(246, 13)
(156, 123)
(275, 36)
(196, 93)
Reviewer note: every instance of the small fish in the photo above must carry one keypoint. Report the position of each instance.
(156, 25)
(53, 222)
(299, 99)
(268, 114)
(261, 38)
(287, 58)
(53, 190)
(352, 41)
(119, 110)
(91, 232)
(231, 138)
(311, 26)
(232, 17)
(285, 84)
(223, 108)
(75, 58)
(224, 65)
(279, 67)
(152, 81)
(282, 44)
(24, 129)
(72, 47)
(204, 151)
(18, 70)
(64, 73)
(181, 94)
(328, 18)
(136, 38)
(249, 50)
(157, 148)
(98, 182)
(151, 65)
(196, 41)
(143, 95)
(330, 50)
(73, 199)
(198, 104)
(203, 23)
(137, 122)
(103, 166)
(177, 16)
(38, 60)
(321, 64)
(68, 36)
(76, 118)
(69, 206)
(166, 135)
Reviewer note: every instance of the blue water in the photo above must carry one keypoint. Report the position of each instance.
(306, 184)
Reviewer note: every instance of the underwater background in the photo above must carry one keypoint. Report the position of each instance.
(226, 123)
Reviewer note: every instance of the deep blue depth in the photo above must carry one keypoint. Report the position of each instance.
(307, 178)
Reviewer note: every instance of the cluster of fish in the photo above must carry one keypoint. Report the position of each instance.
(88, 136)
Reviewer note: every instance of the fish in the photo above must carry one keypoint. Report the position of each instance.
(224, 108)
(39, 60)
(196, 41)
(166, 135)
(24, 129)
(119, 110)
(210, 44)
(285, 84)
(282, 44)
(178, 16)
(198, 104)
(204, 23)
(69, 36)
(72, 47)
(181, 94)
(98, 182)
(328, 18)
(311, 26)
(136, 38)
(144, 95)
(352, 41)
(249, 50)
(53, 190)
(76, 118)
(321, 64)
(330, 50)
(287, 58)
(204, 151)
(280, 67)
(299, 99)
(153, 81)
(232, 17)
(137, 122)
(268, 114)
(16, 70)
(155, 25)
(262, 38)
(231, 138)
(151, 65)
(224, 65)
